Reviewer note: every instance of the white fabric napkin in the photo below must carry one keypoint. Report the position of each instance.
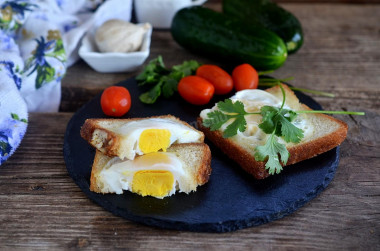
(39, 39)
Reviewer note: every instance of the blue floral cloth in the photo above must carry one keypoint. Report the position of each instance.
(38, 41)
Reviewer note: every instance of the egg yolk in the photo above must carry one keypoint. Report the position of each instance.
(153, 140)
(153, 183)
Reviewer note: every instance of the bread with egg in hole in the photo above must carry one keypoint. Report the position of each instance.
(127, 138)
(183, 167)
(321, 132)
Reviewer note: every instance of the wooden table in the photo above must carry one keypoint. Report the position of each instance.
(41, 207)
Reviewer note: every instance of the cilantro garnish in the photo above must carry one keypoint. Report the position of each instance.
(227, 110)
(271, 150)
(162, 80)
(275, 121)
(279, 121)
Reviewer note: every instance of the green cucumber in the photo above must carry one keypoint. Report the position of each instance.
(270, 16)
(212, 33)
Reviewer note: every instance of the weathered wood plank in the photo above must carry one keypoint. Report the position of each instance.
(42, 208)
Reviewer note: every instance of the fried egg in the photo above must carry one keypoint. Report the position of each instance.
(153, 135)
(156, 174)
(253, 100)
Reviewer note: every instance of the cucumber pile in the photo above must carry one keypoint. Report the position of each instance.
(236, 37)
(269, 15)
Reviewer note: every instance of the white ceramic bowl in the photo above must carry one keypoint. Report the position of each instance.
(160, 13)
(113, 61)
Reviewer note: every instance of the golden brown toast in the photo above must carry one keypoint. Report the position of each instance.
(325, 134)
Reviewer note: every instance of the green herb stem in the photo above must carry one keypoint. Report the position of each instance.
(260, 73)
(283, 97)
(333, 112)
(326, 94)
(274, 80)
(321, 93)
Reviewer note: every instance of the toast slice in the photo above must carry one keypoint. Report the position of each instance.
(120, 137)
(321, 134)
(195, 159)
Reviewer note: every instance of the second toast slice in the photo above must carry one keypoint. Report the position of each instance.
(321, 132)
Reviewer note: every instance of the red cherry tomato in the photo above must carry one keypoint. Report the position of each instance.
(245, 77)
(220, 79)
(195, 90)
(115, 101)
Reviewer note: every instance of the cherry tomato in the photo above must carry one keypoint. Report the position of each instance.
(115, 101)
(220, 79)
(245, 77)
(195, 90)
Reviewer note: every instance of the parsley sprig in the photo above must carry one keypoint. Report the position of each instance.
(275, 121)
(162, 80)
(228, 110)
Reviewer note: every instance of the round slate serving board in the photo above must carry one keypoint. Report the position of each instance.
(231, 200)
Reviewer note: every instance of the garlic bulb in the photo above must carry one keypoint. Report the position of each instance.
(120, 36)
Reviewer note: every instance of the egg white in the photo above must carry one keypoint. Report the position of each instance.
(117, 175)
(131, 132)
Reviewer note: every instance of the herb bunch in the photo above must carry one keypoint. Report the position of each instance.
(162, 80)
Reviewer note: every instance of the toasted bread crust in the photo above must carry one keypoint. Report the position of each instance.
(111, 143)
(93, 187)
(93, 179)
(109, 146)
(298, 152)
(204, 170)
(235, 152)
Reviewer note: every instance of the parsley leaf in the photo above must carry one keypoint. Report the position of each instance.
(163, 80)
(228, 106)
(215, 120)
(290, 132)
(227, 110)
(239, 124)
(268, 124)
(279, 120)
(270, 152)
(169, 86)
(187, 67)
(151, 96)
(152, 72)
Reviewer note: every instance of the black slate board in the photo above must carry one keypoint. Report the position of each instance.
(231, 200)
